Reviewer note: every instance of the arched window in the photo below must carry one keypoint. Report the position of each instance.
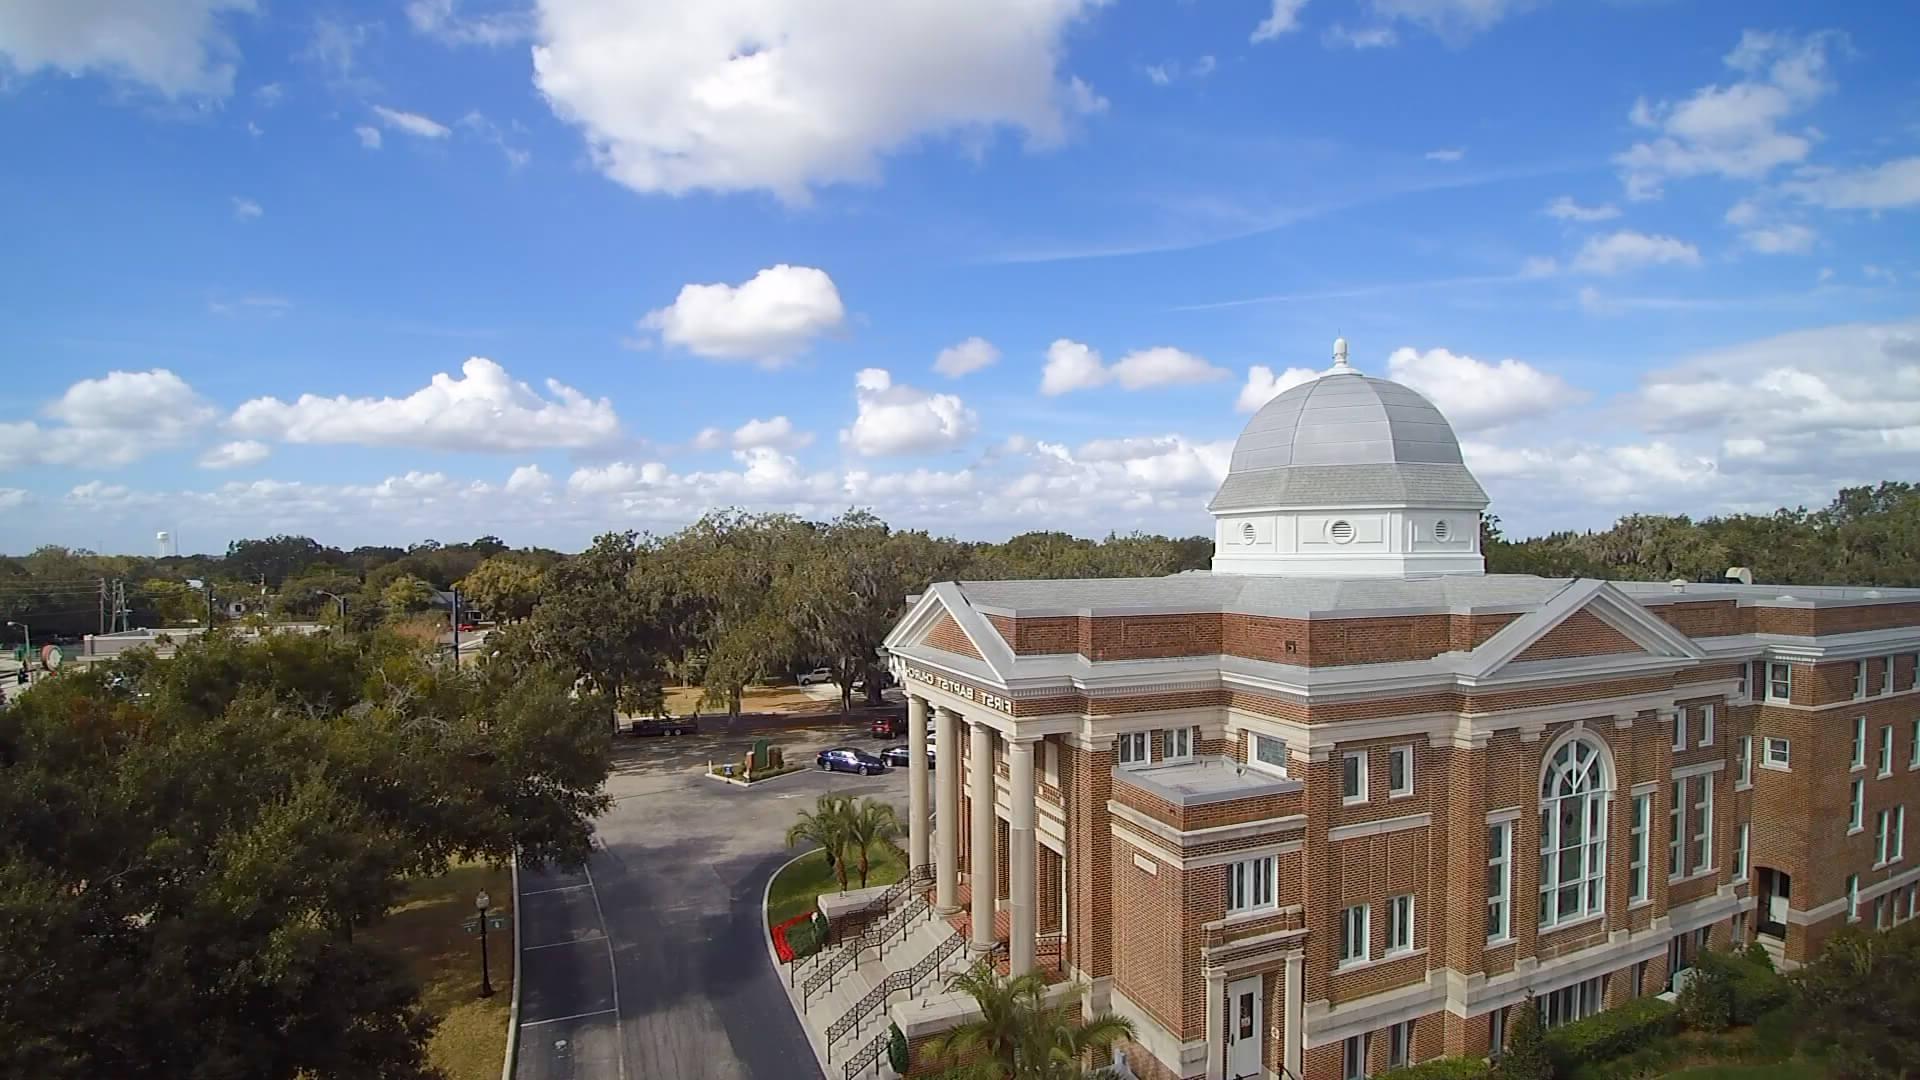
(1573, 834)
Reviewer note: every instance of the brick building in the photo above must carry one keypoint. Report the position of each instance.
(1343, 801)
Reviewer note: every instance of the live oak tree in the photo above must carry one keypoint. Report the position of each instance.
(593, 621)
(504, 586)
(188, 847)
(1860, 1001)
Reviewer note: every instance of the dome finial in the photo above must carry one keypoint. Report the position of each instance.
(1340, 365)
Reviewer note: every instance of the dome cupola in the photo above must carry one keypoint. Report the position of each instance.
(1348, 476)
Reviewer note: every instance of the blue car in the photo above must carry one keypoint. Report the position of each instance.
(847, 759)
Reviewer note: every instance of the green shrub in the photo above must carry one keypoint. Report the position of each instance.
(1757, 988)
(1446, 1068)
(1706, 998)
(1527, 1056)
(897, 1049)
(1610, 1034)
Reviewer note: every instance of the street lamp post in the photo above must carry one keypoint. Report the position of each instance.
(28, 659)
(486, 978)
(338, 599)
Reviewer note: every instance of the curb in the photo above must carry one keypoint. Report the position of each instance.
(513, 1007)
(756, 783)
(766, 893)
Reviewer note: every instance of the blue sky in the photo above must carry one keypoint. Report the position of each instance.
(385, 272)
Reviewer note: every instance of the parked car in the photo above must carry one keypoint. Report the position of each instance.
(888, 726)
(665, 725)
(902, 756)
(848, 759)
(818, 675)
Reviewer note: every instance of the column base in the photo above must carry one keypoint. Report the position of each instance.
(943, 912)
(981, 950)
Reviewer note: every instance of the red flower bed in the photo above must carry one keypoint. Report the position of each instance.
(780, 947)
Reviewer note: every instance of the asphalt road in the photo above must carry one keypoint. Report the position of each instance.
(651, 962)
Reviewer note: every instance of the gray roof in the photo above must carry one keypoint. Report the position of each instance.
(1250, 594)
(1346, 439)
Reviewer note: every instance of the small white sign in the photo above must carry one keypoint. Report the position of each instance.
(1147, 864)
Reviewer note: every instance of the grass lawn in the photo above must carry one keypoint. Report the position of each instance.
(797, 887)
(425, 931)
(756, 699)
(1776, 1070)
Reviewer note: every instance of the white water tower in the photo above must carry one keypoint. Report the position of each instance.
(163, 540)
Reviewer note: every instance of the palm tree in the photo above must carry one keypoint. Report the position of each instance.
(1019, 1036)
(873, 821)
(827, 825)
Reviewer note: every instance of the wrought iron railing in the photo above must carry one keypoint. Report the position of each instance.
(869, 1056)
(1049, 951)
(857, 1015)
(878, 936)
(931, 962)
(824, 973)
(918, 876)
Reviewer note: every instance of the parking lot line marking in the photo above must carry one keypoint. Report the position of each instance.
(564, 1019)
(619, 1038)
(569, 941)
(559, 888)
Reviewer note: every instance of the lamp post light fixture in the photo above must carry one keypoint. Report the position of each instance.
(481, 903)
(340, 600)
(27, 657)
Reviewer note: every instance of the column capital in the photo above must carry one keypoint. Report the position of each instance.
(1028, 741)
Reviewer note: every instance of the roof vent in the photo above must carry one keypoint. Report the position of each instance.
(1741, 574)
(1340, 532)
(1871, 594)
(1679, 584)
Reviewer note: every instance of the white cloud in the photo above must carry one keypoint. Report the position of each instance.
(246, 209)
(486, 410)
(12, 498)
(1626, 250)
(899, 419)
(709, 438)
(529, 480)
(1105, 476)
(1454, 20)
(233, 455)
(369, 136)
(1733, 130)
(1637, 475)
(178, 48)
(1071, 366)
(1887, 186)
(1565, 209)
(1263, 385)
(443, 21)
(1449, 154)
(1782, 239)
(1164, 365)
(1284, 18)
(965, 358)
(1172, 71)
(770, 318)
(1367, 37)
(1475, 394)
(1082, 98)
(777, 432)
(411, 123)
(113, 420)
(755, 94)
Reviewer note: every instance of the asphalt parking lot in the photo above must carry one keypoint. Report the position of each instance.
(651, 961)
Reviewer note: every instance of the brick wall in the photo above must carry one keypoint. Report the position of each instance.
(947, 636)
(1580, 634)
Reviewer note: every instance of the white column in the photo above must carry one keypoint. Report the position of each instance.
(1217, 1024)
(1021, 925)
(980, 877)
(1290, 1051)
(946, 816)
(916, 782)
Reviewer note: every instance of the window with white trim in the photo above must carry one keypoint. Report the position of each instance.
(1899, 833)
(1679, 730)
(1496, 1034)
(1400, 1045)
(1399, 923)
(1250, 885)
(1856, 805)
(1133, 748)
(1858, 759)
(1853, 897)
(1573, 834)
(1882, 828)
(1880, 913)
(1743, 763)
(1703, 825)
(1179, 744)
(1779, 754)
(1745, 674)
(1886, 675)
(1676, 830)
(1575, 1002)
(1353, 777)
(1353, 1057)
(1706, 724)
(1886, 750)
(1740, 838)
(1354, 946)
(1267, 753)
(1859, 679)
(1050, 762)
(1779, 681)
(1400, 771)
(1499, 879)
(1637, 860)
(1913, 747)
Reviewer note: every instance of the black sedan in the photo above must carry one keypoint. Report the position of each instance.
(847, 759)
(900, 756)
(666, 725)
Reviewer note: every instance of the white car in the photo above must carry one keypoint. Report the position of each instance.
(818, 675)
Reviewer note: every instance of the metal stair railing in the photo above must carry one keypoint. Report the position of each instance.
(897, 925)
(823, 975)
(931, 962)
(858, 1014)
(919, 875)
(869, 1056)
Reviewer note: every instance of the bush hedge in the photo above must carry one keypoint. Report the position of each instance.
(1611, 1033)
(1446, 1068)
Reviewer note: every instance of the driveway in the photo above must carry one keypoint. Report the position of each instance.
(651, 961)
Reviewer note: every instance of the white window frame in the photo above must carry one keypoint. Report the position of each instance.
(1679, 729)
(1886, 750)
(1252, 885)
(1254, 740)
(1703, 826)
(1640, 837)
(1706, 724)
(1134, 749)
(1500, 868)
(1356, 927)
(1783, 761)
(1743, 765)
(1856, 805)
(1779, 681)
(1400, 1044)
(1399, 924)
(1590, 784)
(1496, 1034)
(1858, 759)
(1360, 772)
(1353, 1057)
(1676, 828)
(1913, 748)
(1404, 754)
(1853, 898)
(1899, 833)
(1183, 738)
(1886, 676)
(1859, 680)
(1882, 828)
(1741, 837)
(1746, 679)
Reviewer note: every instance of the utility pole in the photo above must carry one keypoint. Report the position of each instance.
(103, 605)
(456, 665)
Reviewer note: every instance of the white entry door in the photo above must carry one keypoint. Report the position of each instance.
(1782, 896)
(1244, 1028)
